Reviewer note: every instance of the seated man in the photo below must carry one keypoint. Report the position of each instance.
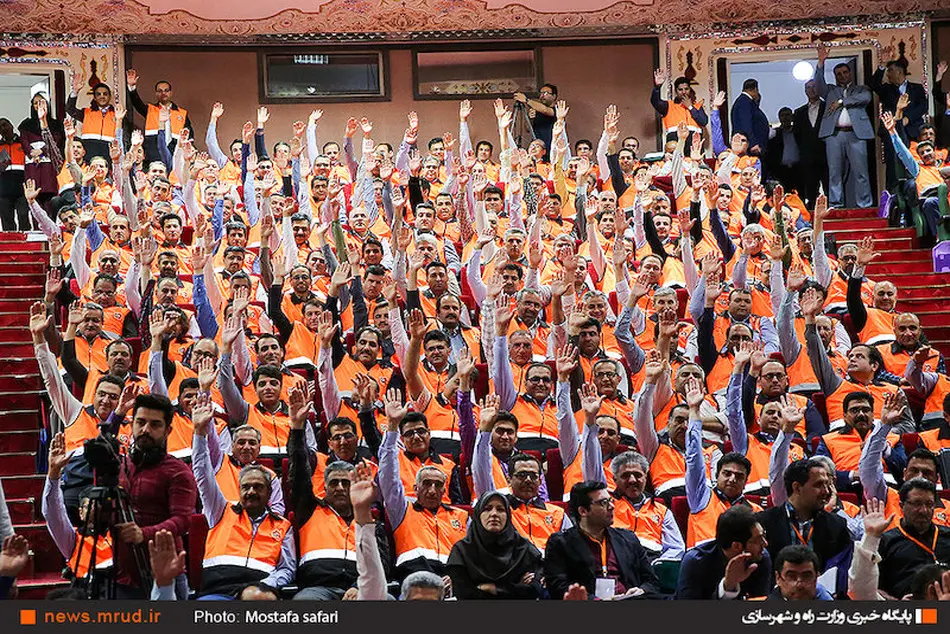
(935, 387)
(796, 576)
(736, 564)
(649, 518)
(707, 503)
(247, 542)
(608, 562)
(327, 566)
(424, 529)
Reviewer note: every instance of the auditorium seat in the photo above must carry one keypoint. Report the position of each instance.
(197, 535)
(680, 507)
(910, 442)
(555, 474)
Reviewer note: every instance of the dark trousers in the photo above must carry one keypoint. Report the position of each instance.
(15, 214)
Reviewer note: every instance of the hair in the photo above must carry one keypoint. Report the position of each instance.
(235, 226)
(443, 296)
(163, 81)
(922, 453)
(338, 465)
(370, 240)
(266, 335)
(169, 216)
(552, 87)
(118, 342)
(923, 579)
(796, 554)
(514, 266)
(434, 140)
(505, 417)
(154, 401)
(735, 525)
(923, 144)
(522, 457)
(629, 458)
(538, 364)
(421, 473)
(342, 421)
(234, 249)
(244, 428)
(750, 84)
(493, 189)
(114, 380)
(917, 483)
(436, 335)
(734, 458)
(841, 65)
(613, 362)
(580, 496)
(269, 371)
(856, 396)
(420, 579)
(191, 383)
(590, 322)
(799, 471)
(300, 217)
(413, 417)
(483, 143)
(370, 328)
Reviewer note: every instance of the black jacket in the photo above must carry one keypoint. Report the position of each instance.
(811, 149)
(568, 560)
(704, 567)
(829, 533)
(888, 94)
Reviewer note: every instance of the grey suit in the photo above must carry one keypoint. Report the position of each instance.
(846, 147)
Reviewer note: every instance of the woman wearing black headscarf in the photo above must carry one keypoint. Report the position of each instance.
(494, 561)
(42, 138)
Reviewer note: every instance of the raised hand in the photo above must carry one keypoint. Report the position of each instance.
(566, 362)
(719, 100)
(362, 493)
(465, 110)
(888, 121)
(365, 388)
(669, 325)
(127, 399)
(207, 373)
(300, 404)
(395, 409)
(894, 404)
(561, 109)
(810, 302)
(659, 77)
(58, 458)
(413, 121)
(738, 570)
(326, 328)
(921, 355)
(488, 411)
(465, 363)
(198, 258)
(131, 78)
(694, 394)
(743, 354)
(791, 414)
(233, 327)
(30, 191)
(367, 127)
(75, 313)
(655, 366)
(875, 520)
(15, 555)
(263, 116)
(54, 283)
(796, 277)
(611, 123)
(417, 324)
(591, 400)
(166, 562)
(352, 125)
(866, 252)
(314, 117)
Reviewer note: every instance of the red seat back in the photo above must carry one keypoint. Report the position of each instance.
(555, 474)
(680, 507)
(197, 535)
(910, 442)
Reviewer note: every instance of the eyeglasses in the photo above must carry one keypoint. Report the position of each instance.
(344, 436)
(605, 502)
(794, 577)
(108, 260)
(605, 375)
(418, 431)
(433, 484)
(539, 379)
(528, 475)
(341, 482)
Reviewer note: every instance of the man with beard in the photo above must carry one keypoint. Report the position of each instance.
(162, 493)
(682, 108)
(247, 543)
(874, 325)
(327, 566)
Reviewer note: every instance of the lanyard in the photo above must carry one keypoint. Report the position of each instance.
(931, 549)
(603, 553)
(802, 538)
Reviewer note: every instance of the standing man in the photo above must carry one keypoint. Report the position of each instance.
(846, 129)
(747, 117)
(813, 166)
(543, 107)
(783, 155)
(890, 83)
(176, 122)
(683, 107)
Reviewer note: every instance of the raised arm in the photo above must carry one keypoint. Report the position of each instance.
(697, 491)
(213, 502)
(390, 484)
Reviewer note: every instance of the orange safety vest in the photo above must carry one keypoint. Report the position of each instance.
(879, 327)
(114, 319)
(328, 537)
(834, 402)
(537, 523)
(896, 363)
(845, 448)
(235, 550)
(718, 378)
(702, 525)
(539, 346)
(443, 418)
(17, 157)
(759, 453)
(837, 297)
(94, 374)
(409, 467)
(428, 536)
(662, 419)
(290, 381)
(349, 368)
(668, 467)
(318, 479)
(723, 322)
(81, 429)
(798, 401)
(931, 438)
(98, 125)
(535, 421)
(180, 438)
(94, 355)
(677, 113)
(274, 427)
(302, 347)
(81, 557)
(646, 521)
(623, 411)
(179, 116)
(574, 473)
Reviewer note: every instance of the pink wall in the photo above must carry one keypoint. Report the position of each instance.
(588, 77)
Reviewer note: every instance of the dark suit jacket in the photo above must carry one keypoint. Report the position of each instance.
(748, 117)
(888, 94)
(811, 148)
(704, 567)
(568, 560)
(829, 536)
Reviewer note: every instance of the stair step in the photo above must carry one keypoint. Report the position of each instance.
(880, 269)
(15, 349)
(37, 587)
(912, 278)
(925, 303)
(21, 305)
(19, 318)
(21, 384)
(858, 212)
(27, 257)
(24, 511)
(884, 233)
(20, 419)
(900, 243)
(46, 557)
(28, 267)
(901, 255)
(21, 247)
(22, 400)
(21, 278)
(34, 292)
(18, 365)
(20, 463)
(867, 224)
(932, 292)
(938, 333)
(19, 440)
(23, 486)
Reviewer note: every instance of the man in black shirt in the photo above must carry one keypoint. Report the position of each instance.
(916, 542)
(544, 117)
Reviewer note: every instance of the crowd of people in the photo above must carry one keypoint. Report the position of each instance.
(462, 368)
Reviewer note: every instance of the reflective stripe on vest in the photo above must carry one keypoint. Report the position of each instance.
(178, 117)
(234, 541)
(426, 535)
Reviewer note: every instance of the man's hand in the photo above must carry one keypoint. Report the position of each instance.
(74, 318)
(263, 116)
(611, 124)
(488, 411)
(719, 100)
(659, 77)
(326, 328)
(561, 109)
(796, 277)
(888, 121)
(822, 53)
(300, 405)
(131, 79)
(217, 110)
(202, 414)
(127, 399)
(591, 402)
(893, 409)
(576, 592)
(130, 533)
(694, 395)
(875, 521)
(207, 373)
(57, 458)
(465, 364)
(362, 494)
(54, 284)
(810, 302)
(417, 324)
(866, 252)
(742, 356)
(395, 409)
(655, 366)
(465, 110)
(921, 355)
(713, 290)
(167, 562)
(233, 327)
(566, 362)
(30, 191)
(738, 570)
(14, 556)
(791, 415)
(777, 249)
(366, 389)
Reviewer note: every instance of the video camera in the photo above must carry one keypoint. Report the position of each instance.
(102, 454)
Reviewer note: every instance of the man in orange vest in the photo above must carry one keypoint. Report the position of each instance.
(864, 363)
(717, 362)
(875, 324)
(81, 549)
(178, 119)
(247, 543)
(426, 529)
(767, 382)
(14, 208)
(683, 108)
(270, 415)
(707, 503)
(99, 119)
(905, 346)
(325, 519)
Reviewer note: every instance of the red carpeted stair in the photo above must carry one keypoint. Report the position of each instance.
(919, 289)
(22, 269)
